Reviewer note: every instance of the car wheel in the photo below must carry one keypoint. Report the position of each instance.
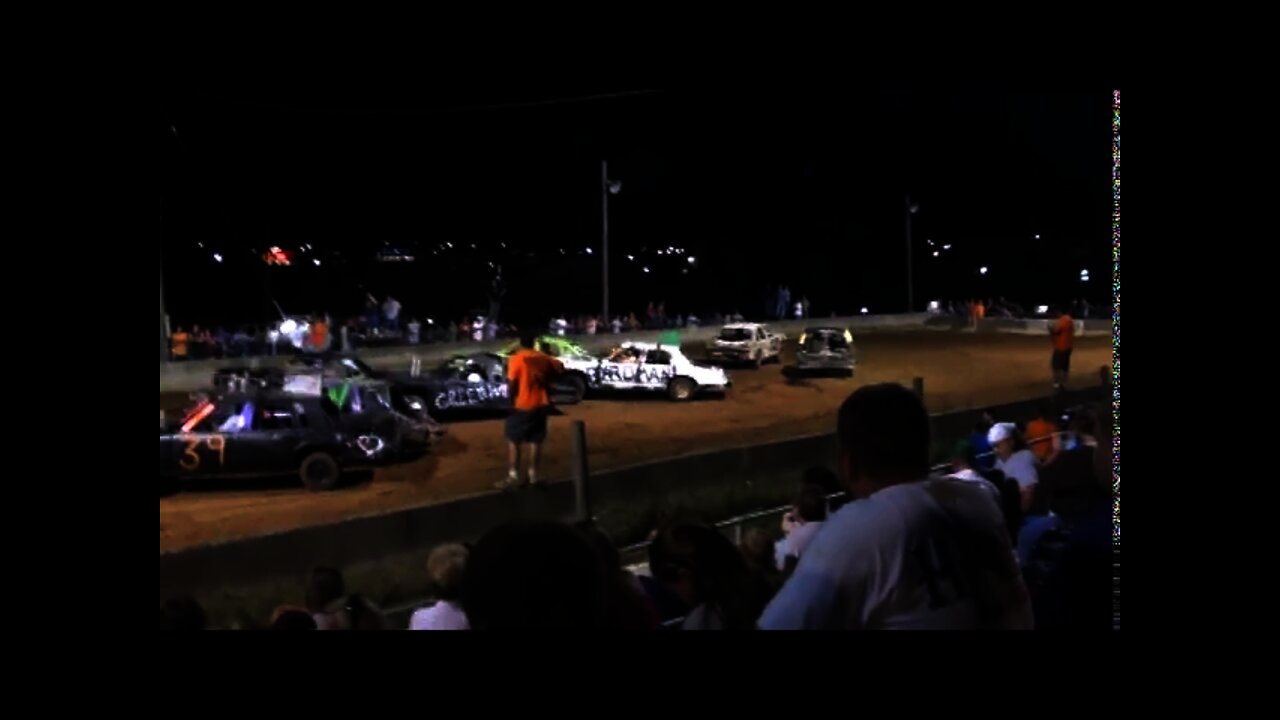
(681, 389)
(577, 388)
(319, 471)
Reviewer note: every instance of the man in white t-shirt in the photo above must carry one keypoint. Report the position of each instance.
(1017, 464)
(391, 310)
(912, 551)
(801, 525)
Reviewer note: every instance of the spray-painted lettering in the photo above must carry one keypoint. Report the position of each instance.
(471, 395)
(630, 373)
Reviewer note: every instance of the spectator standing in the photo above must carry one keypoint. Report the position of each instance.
(180, 344)
(1062, 334)
(391, 310)
(529, 373)
(800, 526)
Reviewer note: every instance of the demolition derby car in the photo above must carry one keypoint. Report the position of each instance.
(338, 373)
(646, 367)
(826, 349)
(746, 343)
(459, 385)
(272, 432)
(556, 347)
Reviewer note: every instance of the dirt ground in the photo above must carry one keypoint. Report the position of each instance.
(960, 370)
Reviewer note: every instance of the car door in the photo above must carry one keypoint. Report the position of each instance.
(657, 371)
(268, 446)
(620, 369)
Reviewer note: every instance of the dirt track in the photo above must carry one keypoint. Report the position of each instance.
(960, 370)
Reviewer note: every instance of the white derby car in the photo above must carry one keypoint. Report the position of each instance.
(746, 343)
(649, 367)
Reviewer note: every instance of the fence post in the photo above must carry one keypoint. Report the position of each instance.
(917, 386)
(581, 473)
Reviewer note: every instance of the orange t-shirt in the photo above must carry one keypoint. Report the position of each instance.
(319, 334)
(180, 340)
(532, 371)
(1037, 429)
(1064, 333)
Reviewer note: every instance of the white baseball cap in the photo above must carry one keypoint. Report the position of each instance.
(1001, 432)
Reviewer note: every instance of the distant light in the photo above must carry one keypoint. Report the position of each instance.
(1037, 237)
(631, 257)
(935, 253)
(588, 251)
(317, 262)
(982, 270)
(934, 305)
(671, 249)
(504, 245)
(1042, 309)
(692, 259)
(308, 246)
(275, 250)
(561, 251)
(430, 321)
(659, 252)
(930, 243)
(946, 247)
(685, 271)
(864, 311)
(217, 257)
(200, 245)
(449, 244)
(646, 269)
(490, 264)
(473, 246)
(1084, 276)
(288, 327)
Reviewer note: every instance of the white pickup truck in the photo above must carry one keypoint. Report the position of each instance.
(746, 343)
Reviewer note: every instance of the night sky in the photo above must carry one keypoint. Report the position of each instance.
(804, 187)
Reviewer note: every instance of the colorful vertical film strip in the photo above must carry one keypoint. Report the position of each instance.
(1115, 317)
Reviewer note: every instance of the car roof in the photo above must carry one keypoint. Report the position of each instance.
(826, 329)
(742, 326)
(649, 346)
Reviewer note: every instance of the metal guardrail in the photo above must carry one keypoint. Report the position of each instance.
(738, 521)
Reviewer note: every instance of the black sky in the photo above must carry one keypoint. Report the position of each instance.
(763, 185)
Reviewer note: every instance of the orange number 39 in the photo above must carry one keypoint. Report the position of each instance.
(191, 459)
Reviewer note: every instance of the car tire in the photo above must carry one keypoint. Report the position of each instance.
(577, 388)
(319, 471)
(682, 389)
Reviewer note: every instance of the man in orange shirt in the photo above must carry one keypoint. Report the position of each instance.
(180, 341)
(1062, 332)
(529, 374)
(1042, 434)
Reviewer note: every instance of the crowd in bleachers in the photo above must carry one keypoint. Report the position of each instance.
(1017, 535)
